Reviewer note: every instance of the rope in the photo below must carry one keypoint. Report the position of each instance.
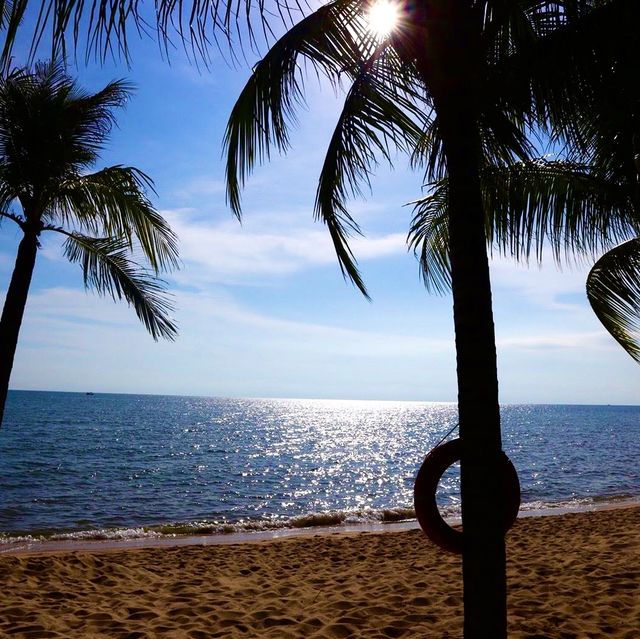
(447, 435)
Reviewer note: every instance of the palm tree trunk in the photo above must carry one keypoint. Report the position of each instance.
(13, 310)
(484, 559)
(453, 49)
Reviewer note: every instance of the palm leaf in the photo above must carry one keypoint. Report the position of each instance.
(103, 27)
(50, 129)
(567, 68)
(93, 113)
(529, 206)
(107, 269)
(429, 238)
(380, 111)
(113, 202)
(260, 117)
(567, 205)
(7, 194)
(613, 289)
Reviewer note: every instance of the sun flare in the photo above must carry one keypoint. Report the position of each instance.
(383, 17)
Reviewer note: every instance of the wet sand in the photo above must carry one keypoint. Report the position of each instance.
(573, 576)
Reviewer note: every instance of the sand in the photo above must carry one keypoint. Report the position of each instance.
(574, 576)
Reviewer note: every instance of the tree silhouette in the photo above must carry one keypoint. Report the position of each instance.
(422, 92)
(50, 135)
(584, 205)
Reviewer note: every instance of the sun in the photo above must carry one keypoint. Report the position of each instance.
(383, 17)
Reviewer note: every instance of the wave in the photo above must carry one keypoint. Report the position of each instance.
(205, 527)
(333, 518)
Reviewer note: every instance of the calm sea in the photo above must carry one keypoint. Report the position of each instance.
(104, 465)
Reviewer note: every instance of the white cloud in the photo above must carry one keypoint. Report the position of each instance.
(203, 186)
(71, 340)
(366, 248)
(545, 285)
(57, 315)
(271, 245)
(6, 260)
(309, 335)
(593, 339)
(76, 341)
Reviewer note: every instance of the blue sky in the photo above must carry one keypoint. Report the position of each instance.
(262, 307)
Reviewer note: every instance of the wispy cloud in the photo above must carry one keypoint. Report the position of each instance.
(559, 340)
(6, 259)
(311, 335)
(546, 286)
(273, 245)
(59, 315)
(73, 340)
(198, 187)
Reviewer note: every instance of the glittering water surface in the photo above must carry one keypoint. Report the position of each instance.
(75, 462)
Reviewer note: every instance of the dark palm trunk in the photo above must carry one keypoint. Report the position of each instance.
(13, 310)
(453, 53)
(484, 560)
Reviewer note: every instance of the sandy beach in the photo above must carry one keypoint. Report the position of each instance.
(574, 576)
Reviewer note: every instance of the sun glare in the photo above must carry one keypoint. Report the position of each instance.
(383, 17)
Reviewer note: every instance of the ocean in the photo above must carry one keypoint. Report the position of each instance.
(101, 466)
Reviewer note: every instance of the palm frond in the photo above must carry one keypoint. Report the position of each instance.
(6, 8)
(19, 220)
(529, 206)
(429, 238)
(12, 17)
(565, 205)
(507, 116)
(92, 114)
(381, 111)
(108, 269)
(7, 194)
(605, 127)
(506, 28)
(568, 67)
(113, 202)
(613, 289)
(50, 129)
(260, 117)
(103, 28)
(504, 131)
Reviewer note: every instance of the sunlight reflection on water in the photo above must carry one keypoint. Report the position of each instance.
(126, 460)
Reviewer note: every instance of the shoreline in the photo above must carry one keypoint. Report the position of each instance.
(571, 576)
(47, 546)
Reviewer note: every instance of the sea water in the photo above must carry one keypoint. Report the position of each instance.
(106, 465)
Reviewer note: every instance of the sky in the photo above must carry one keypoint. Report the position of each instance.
(262, 308)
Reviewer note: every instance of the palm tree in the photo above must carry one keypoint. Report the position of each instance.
(420, 90)
(581, 206)
(447, 104)
(50, 135)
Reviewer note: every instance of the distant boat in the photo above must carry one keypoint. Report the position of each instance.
(89, 393)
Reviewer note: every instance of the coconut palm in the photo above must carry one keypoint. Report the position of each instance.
(448, 105)
(50, 135)
(567, 208)
(441, 102)
(581, 206)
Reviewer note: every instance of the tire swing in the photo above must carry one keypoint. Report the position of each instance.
(426, 485)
